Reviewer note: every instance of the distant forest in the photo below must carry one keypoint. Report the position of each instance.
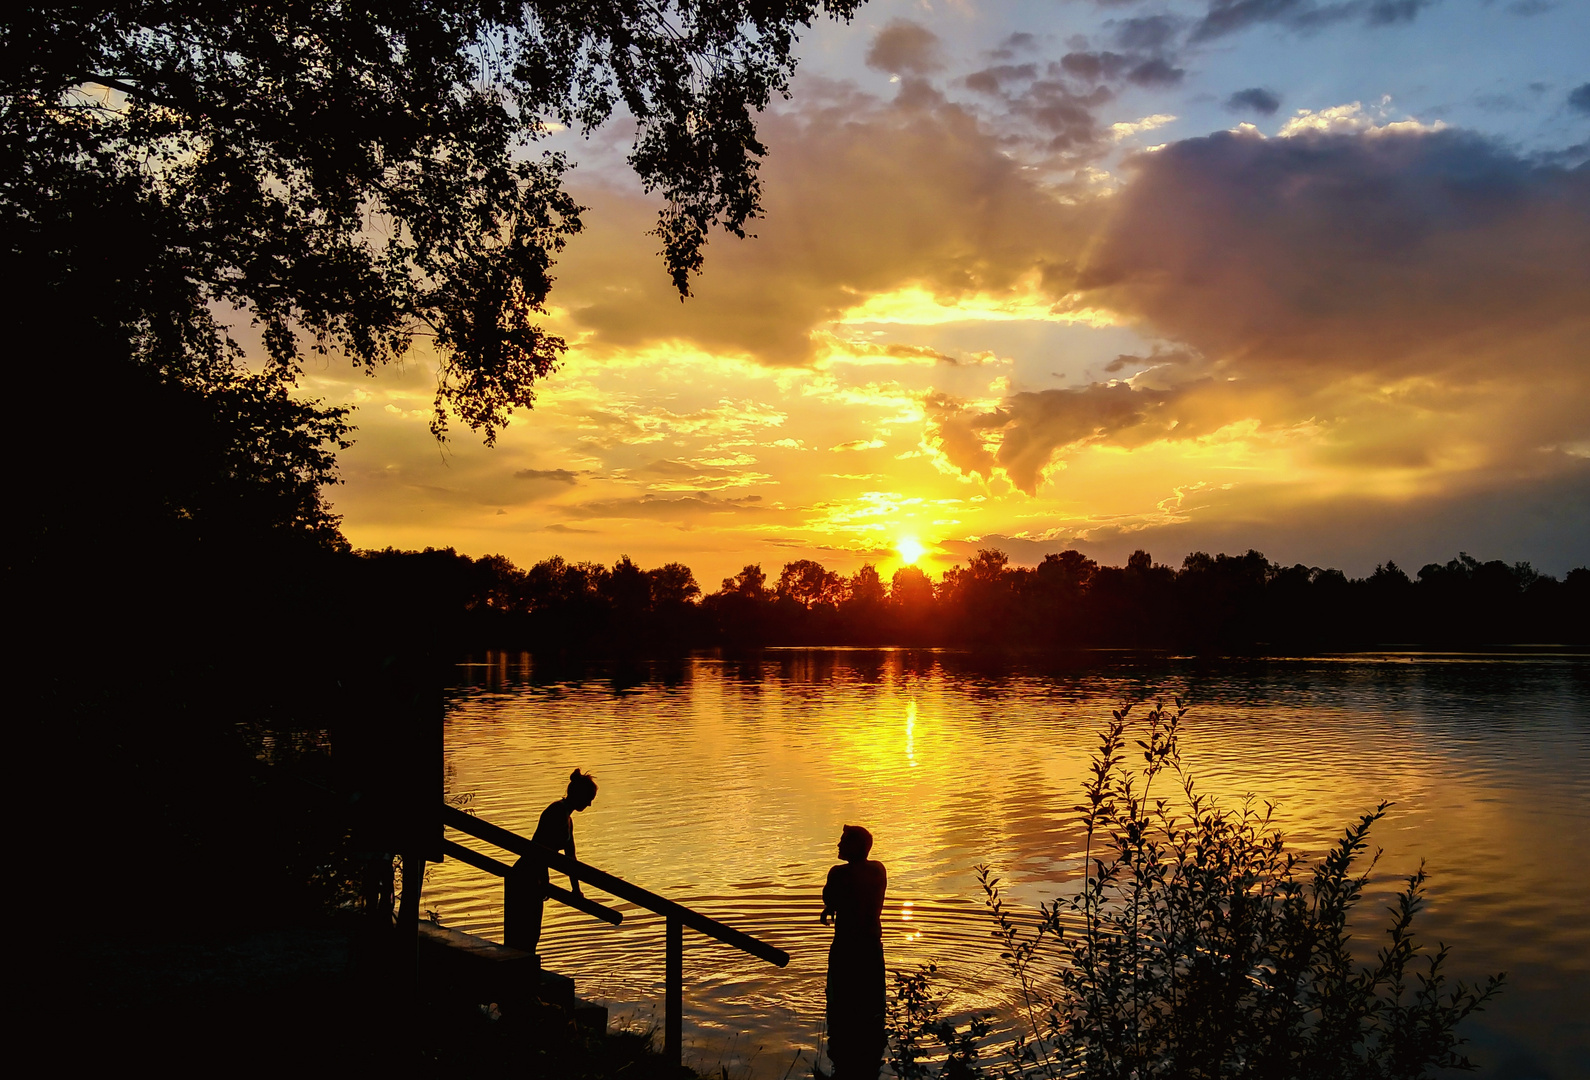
(1210, 603)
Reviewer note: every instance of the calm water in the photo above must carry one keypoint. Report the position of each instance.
(724, 784)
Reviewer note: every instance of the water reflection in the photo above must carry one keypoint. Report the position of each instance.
(725, 779)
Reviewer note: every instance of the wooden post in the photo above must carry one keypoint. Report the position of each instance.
(674, 994)
(514, 913)
(408, 918)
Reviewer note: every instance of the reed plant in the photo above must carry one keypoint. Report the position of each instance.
(1198, 946)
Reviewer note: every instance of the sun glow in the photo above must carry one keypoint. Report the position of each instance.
(916, 306)
(910, 549)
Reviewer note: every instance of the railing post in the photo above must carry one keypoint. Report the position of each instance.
(521, 924)
(510, 911)
(674, 994)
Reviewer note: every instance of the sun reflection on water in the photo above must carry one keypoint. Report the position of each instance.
(724, 783)
(910, 732)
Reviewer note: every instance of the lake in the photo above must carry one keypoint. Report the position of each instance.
(724, 782)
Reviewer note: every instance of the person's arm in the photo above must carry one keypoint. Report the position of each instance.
(828, 899)
(574, 882)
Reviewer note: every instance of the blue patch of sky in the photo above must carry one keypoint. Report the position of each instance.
(1493, 67)
(1476, 64)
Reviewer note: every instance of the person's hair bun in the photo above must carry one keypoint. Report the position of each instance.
(582, 783)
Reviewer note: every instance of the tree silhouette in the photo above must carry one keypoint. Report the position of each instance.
(176, 179)
(866, 587)
(810, 584)
(673, 586)
(750, 583)
(1224, 604)
(356, 172)
(911, 588)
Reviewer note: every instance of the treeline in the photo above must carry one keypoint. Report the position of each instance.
(1210, 603)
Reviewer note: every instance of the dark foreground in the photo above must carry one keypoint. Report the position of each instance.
(322, 997)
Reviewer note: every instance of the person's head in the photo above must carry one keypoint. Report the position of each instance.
(854, 843)
(582, 789)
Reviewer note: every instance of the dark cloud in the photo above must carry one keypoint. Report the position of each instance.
(1399, 296)
(1579, 98)
(1152, 33)
(899, 351)
(1031, 428)
(1135, 67)
(1230, 16)
(1014, 45)
(1155, 72)
(1065, 118)
(1565, 157)
(1403, 295)
(1361, 251)
(696, 475)
(1500, 103)
(955, 430)
(992, 80)
(1254, 99)
(1390, 12)
(667, 467)
(1095, 66)
(1544, 520)
(1035, 425)
(905, 48)
(561, 476)
(1160, 357)
(664, 508)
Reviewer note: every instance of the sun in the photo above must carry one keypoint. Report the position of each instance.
(910, 549)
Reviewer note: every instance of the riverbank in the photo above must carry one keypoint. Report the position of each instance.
(319, 996)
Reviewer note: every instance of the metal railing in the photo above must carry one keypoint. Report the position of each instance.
(677, 916)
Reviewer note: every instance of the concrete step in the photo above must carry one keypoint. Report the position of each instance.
(453, 963)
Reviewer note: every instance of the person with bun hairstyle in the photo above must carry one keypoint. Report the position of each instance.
(853, 899)
(522, 914)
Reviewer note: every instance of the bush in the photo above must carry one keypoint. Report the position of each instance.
(921, 1031)
(1199, 947)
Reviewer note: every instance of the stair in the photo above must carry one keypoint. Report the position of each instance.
(455, 964)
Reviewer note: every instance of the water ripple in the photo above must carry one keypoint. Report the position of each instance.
(724, 785)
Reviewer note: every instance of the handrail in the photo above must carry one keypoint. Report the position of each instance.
(562, 896)
(509, 841)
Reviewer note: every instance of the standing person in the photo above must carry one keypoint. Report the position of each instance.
(853, 898)
(524, 899)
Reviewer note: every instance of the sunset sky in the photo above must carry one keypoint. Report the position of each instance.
(1300, 275)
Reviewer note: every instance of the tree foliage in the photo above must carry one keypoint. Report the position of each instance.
(1214, 604)
(178, 178)
(358, 174)
(810, 584)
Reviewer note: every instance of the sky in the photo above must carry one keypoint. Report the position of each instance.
(1305, 276)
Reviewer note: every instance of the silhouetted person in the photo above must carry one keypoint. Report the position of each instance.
(525, 891)
(853, 897)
